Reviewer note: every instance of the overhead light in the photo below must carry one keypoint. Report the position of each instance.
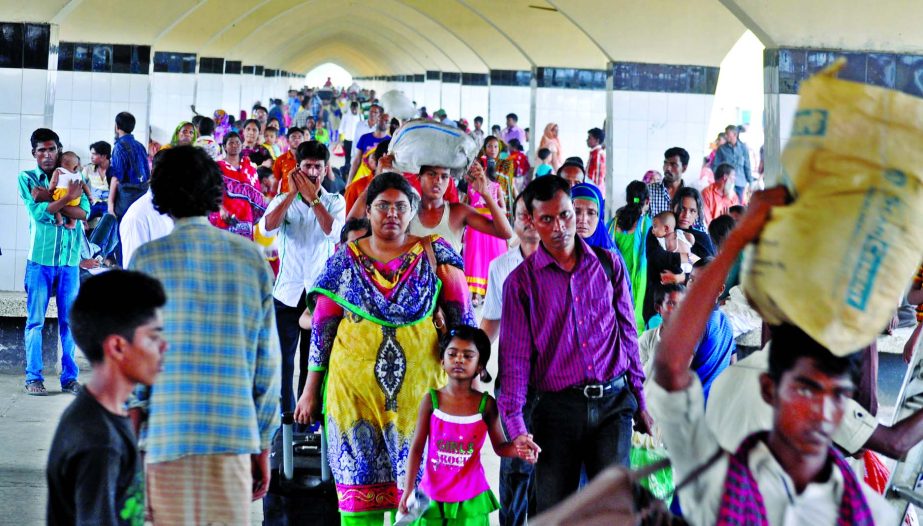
(544, 8)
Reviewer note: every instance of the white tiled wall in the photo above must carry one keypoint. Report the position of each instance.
(508, 99)
(419, 93)
(26, 99)
(574, 111)
(209, 94)
(645, 124)
(172, 94)
(432, 95)
(474, 102)
(230, 94)
(451, 99)
(86, 105)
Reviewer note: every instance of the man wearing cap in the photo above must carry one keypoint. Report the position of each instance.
(442, 118)
(573, 170)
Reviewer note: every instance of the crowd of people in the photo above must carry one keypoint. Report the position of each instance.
(244, 247)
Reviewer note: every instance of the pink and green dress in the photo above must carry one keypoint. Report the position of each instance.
(374, 337)
(453, 476)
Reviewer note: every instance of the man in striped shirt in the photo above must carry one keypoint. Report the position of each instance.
(216, 404)
(52, 264)
(568, 338)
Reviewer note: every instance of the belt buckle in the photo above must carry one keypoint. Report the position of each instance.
(593, 391)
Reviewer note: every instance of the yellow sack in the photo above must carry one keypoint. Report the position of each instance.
(837, 260)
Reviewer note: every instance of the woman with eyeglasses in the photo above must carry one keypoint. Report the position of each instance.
(375, 339)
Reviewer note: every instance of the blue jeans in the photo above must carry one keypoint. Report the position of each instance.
(577, 432)
(106, 235)
(41, 282)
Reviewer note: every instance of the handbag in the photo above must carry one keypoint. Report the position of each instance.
(438, 314)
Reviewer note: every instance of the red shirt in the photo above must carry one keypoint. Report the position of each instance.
(242, 199)
(596, 166)
(715, 204)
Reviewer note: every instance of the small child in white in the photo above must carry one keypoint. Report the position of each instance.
(63, 176)
(664, 229)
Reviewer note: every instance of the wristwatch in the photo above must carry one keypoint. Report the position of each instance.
(315, 202)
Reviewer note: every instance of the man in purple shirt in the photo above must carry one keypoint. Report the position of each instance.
(568, 344)
(512, 131)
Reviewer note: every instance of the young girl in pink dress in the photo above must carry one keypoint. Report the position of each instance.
(453, 423)
(480, 248)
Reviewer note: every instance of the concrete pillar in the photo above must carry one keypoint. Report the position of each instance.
(28, 64)
(451, 94)
(209, 94)
(173, 86)
(230, 87)
(784, 69)
(432, 96)
(655, 107)
(509, 92)
(474, 96)
(575, 99)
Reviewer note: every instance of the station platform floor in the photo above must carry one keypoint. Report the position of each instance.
(27, 424)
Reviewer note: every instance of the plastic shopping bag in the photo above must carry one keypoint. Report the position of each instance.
(423, 142)
(876, 473)
(835, 262)
(644, 453)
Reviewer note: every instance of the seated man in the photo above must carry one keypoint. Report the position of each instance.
(791, 474)
(95, 475)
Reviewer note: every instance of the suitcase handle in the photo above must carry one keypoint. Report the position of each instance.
(288, 464)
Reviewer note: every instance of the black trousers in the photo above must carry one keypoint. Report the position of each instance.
(575, 431)
(347, 159)
(291, 338)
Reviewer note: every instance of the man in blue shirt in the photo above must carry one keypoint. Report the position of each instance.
(736, 154)
(129, 167)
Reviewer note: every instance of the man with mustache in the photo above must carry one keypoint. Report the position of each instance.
(308, 220)
(568, 344)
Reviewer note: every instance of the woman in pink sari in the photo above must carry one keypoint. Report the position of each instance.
(550, 141)
(480, 248)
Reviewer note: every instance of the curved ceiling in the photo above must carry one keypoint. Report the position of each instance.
(388, 37)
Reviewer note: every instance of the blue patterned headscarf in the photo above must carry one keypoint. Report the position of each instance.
(590, 192)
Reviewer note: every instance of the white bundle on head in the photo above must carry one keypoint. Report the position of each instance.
(422, 142)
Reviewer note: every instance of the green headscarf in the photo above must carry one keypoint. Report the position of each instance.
(174, 141)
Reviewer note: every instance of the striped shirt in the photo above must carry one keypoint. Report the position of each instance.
(662, 202)
(219, 389)
(129, 161)
(560, 330)
(49, 244)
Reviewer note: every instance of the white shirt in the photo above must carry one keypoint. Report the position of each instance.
(362, 127)
(690, 442)
(499, 270)
(348, 125)
(303, 246)
(141, 224)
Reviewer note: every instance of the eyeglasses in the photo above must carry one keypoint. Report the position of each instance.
(384, 207)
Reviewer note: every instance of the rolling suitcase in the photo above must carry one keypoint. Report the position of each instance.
(301, 490)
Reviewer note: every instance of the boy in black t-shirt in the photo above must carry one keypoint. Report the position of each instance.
(95, 475)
